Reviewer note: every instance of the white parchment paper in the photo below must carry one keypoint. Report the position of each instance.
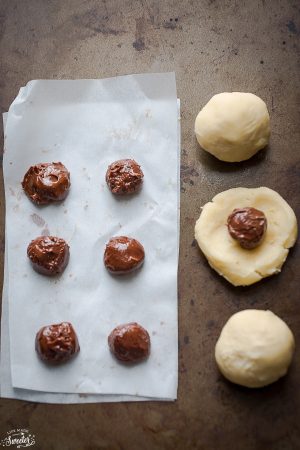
(87, 124)
(6, 388)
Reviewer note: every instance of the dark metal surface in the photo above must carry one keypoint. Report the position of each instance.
(214, 46)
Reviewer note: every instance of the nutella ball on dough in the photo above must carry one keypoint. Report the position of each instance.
(123, 255)
(47, 183)
(248, 226)
(57, 343)
(129, 342)
(124, 177)
(49, 255)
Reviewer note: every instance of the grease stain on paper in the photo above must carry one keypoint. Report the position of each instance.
(38, 220)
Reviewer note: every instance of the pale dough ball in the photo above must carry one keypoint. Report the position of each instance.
(255, 348)
(233, 126)
(240, 266)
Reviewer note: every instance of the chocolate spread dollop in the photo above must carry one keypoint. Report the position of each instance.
(46, 183)
(129, 342)
(124, 176)
(49, 255)
(57, 343)
(248, 226)
(123, 255)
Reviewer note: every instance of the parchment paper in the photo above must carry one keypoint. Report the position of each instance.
(6, 388)
(87, 124)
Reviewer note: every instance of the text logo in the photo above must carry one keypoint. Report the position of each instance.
(18, 439)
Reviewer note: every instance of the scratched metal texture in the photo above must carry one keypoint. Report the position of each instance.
(213, 46)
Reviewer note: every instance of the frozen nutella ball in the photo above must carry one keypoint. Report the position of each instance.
(57, 343)
(129, 342)
(123, 255)
(124, 177)
(46, 183)
(248, 226)
(49, 255)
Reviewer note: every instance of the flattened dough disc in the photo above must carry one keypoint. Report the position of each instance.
(239, 266)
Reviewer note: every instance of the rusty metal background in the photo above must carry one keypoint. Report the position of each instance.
(214, 46)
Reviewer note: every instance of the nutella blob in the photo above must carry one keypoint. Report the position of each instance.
(247, 226)
(49, 255)
(46, 183)
(124, 177)
(123, 255)
(129, 342)
(56, 343)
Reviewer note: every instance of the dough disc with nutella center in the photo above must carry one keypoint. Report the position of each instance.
(241, 266)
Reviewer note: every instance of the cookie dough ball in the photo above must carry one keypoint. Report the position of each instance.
(233, 126)
(124, 177)
(49, 255)
(241, 266)
(123, 255)
(47, 183)
(129, 342)
(255, 348)
(57, 343)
